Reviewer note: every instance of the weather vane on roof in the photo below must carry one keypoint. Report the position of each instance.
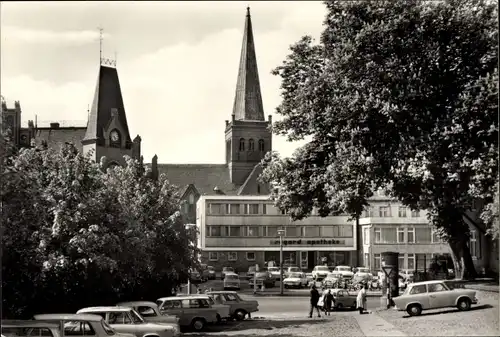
(102, 60)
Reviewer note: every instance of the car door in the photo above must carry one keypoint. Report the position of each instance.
(121, 322)
(439, 296)
(174, 307)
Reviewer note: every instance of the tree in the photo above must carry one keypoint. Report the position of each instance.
(425, 121)
(86, 236)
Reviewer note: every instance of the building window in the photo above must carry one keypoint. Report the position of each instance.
(242, 144)
(401, 262)
(233, 209)
(232, 256)
(264, 209)
(342, 231)
(115, 139)
(272, 231)
(378, 235)
(367, 260)
(310, 232)
(411, 261)
(250, 256)
(423, 261)
(261, 145)
(213, 256)
(384, 211)
(401, 235)
(402, 212)
(291, 231)
(366, 238)
(214, 231)
(252, 209)
(423, 234)
(435, 236)
(217, 209)
(411, 235)
(370, 211)
(474, 245)
(415, 214)
(386, 235)
(251, 145)
(251, 231)
(376, 262)
(234, 231)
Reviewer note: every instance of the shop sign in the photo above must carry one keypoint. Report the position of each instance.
(301, 242)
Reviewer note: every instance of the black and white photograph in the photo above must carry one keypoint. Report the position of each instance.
(259, 168)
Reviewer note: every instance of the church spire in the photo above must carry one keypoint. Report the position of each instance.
(248, 98)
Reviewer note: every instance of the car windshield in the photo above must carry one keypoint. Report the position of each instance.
(210, 268)
(232, 277)
(109, 330)
(322, 268)
(292, 269)
(363, 270)
(159, 303)
(136, 318)
(271, 269)
(227, 269)
(261, 274)
(295, 275)
(332, 275)
(344, 269)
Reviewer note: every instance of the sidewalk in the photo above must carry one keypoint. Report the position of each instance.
(373, 325)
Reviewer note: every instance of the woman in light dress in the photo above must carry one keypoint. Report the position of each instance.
(361, 299)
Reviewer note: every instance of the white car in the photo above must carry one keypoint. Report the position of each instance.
(275, 272)
(320, 272)
(363, 272)
(232, 281)
(295, 280)
(345, 271)
(433, 295)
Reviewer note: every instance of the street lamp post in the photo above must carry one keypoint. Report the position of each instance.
(281, 232)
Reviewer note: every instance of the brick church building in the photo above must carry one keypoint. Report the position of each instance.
(247, 134)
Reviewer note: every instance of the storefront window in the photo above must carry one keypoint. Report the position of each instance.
(401, 262)
(311, 231)
(292, 231)
(423, 234)
(376, 262)
(234, 231)
(272, 231)
(327, 231)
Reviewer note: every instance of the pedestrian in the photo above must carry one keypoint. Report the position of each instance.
(314, 301)
(361, 300)
(328, 302)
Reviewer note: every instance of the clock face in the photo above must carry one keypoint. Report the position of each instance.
(115, 137)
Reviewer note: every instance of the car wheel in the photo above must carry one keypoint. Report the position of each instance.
(240, 314)
(463, 304)
(219, 319)
(198, 324)
(340, 306)
(414, 310)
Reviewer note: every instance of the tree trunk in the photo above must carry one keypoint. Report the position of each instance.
(359, 244)
(462, 260)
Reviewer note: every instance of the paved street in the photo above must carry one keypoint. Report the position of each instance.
(279, 316)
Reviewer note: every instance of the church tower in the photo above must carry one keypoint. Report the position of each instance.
(107, 132)
(248, 134)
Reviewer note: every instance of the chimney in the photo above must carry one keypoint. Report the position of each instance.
(270, 119)
(154, 167)
(54, 125)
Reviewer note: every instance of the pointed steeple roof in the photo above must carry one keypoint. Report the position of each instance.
(248, 98)
(107, 98)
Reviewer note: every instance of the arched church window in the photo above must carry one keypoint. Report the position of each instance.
(261, 145)
(242, 144)
(251, 145)
(115, 139)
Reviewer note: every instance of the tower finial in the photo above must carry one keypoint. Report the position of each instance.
(100, 44)
(248, 10)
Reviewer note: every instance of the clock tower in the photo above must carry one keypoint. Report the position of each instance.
(107, 136)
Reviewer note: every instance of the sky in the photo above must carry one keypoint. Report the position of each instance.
(177, 63)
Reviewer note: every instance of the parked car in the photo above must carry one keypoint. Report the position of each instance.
(222, 309)
(232, 281)
(194, 276)
(295, 280)
(238, 307)
(211, 272)
(226, 270)
(150, 312)
(275, 272)
(342, 299)
(30, 328)
(433, 295)
(290, 269)
(331, 280)
(309, 277)
(363, 272)
(73, 324)
(320, 272)
(127, 320)
(263, 278)
(251, 272)
(345, 271)
(193, 311)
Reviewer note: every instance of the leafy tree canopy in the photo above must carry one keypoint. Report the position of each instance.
(397, 94)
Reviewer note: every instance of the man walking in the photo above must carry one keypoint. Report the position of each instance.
(328, 302)
(314, 301)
